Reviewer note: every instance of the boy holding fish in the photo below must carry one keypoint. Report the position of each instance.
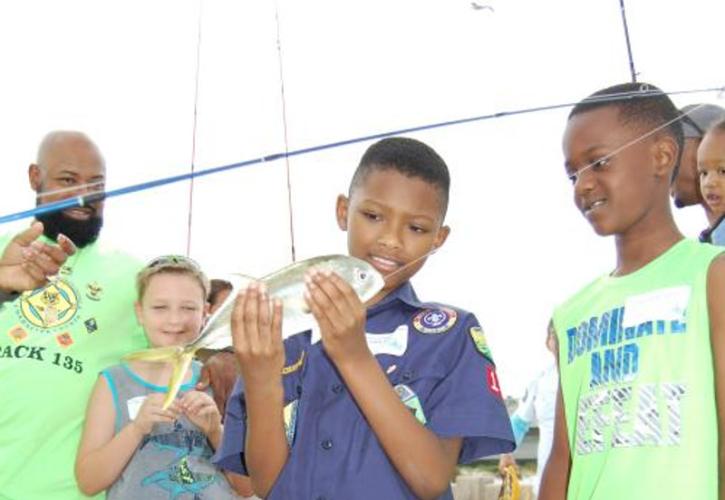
(385, 397)
(641, 351)
(132, 446)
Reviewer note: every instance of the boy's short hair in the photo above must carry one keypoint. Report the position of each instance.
(409, 157)
(639, 104)
(171, 264)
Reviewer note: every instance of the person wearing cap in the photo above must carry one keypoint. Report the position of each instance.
(56, 338)
(696, 120)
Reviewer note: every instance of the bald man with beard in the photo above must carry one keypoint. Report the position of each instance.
(55, 339)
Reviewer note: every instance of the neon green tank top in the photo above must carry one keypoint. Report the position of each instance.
(53, 343)
(637, 381)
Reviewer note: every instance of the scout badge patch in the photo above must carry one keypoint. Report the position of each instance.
(411, 401)
(492, 381)
(434, 321)
(290, 421)
(479, 339)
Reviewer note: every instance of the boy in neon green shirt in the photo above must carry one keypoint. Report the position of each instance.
(640, 350)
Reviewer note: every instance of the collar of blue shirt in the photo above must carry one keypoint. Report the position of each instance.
(403, 293)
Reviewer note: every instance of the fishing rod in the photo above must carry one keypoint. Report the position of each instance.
(82, 200)
(632, 71)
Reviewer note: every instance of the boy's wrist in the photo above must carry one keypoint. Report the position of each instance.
(351, 365)
(264, 390)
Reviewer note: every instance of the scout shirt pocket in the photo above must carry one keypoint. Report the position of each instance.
(413, 385)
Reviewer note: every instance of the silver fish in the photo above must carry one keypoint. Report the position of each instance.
(288, 285)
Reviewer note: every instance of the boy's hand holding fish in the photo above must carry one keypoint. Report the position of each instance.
(340, 314)
(257, 337)
(256, 326)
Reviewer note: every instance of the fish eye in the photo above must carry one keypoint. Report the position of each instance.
(361, 275)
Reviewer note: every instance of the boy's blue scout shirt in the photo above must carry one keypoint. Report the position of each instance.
(437, 360)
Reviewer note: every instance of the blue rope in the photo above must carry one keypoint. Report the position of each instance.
(80, 201)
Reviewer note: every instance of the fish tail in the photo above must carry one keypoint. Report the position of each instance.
(181, 364)
(157, 354)
(179, 357)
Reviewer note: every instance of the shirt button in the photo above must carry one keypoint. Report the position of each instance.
(407, 375)
(337, 388)
(326, 444)
(299, 390)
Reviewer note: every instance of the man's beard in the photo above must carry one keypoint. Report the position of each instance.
(80, 232)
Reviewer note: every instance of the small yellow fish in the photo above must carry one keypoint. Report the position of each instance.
(287, 285)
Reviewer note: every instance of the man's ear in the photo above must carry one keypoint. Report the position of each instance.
(441, 237)
(35, 176)
(341, 210)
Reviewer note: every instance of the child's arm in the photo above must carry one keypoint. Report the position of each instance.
(257, 339)
(520, 424)
(425, 461)
(716, 309)
(101, 455)
(555, 478)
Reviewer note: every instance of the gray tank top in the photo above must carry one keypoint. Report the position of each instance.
(174, 460)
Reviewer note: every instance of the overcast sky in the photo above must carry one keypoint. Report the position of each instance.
(125, 73)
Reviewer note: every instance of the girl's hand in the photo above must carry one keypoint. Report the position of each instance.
(151, 413)
(257, 337)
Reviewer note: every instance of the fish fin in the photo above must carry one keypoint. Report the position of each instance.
(157, 354)
(181, 365)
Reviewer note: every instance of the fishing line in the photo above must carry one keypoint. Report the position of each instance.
(193, 134)
(94, 184)
(99, 195)
(406, 266)
(284, 127)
